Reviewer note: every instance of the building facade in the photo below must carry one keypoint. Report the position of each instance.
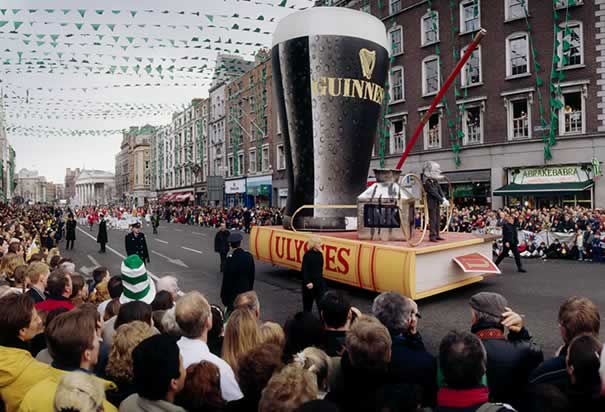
(216, 145)
(95, 187)
(133, 175)
(524, 95)
(250, 126)
(122, 171)
(70, 182)
(30, 187)
(6, 166)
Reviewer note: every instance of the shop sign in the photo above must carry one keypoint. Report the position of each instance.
(282, 192)
(235, 186)
(550, 174)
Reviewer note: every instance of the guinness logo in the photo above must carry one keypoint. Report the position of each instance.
(368, 62)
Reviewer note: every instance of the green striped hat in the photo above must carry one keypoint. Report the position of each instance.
(136, 282)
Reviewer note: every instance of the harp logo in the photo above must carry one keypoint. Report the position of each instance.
(368, 62)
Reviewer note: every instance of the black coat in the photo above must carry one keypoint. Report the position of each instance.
(221, 241)
(510, 361)
(509, 234)
(102, 236)
(312, 270)
(434, 194)
(70, 230)
(238, 276)
(136, 245)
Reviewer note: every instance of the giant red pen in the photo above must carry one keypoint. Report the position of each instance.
(467, 54)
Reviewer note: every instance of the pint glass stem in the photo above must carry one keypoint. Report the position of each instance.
(442, 91)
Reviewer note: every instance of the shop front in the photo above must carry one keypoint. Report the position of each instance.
(470, 187)
(550, 186)
(235, 192)
(258, 191)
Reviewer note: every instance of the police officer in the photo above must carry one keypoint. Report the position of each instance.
(238, 276)
(221, 244)
(136, 243)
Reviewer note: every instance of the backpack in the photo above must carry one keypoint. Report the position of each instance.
(495, 407)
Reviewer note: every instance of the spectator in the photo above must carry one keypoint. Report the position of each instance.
(19, 279)
(241, 335)
(114, 289)
(79, 290)
(135, 281)
(44, 355)
(511, 358)
(583, 362)
(99, 292)
(119, 365)
(313, 283)
(271, 332)
(547, 398)
(169, 284)
(59, 289)
(37, 273)
(317, 361)
(128, 312)
(78, 391)
(248, 300)
(302, 330)
(287, 390)
(73, 344)
(255, 369)
(159, 375)
(19, 371)
(410, 361)
(364, 368)
(162, 301)
(67, 267)
(463, 360)
(202, 390)
(169, 324)
(217, 333)
(111, 310)
(336, 313)
(194, 319)
(577, 316)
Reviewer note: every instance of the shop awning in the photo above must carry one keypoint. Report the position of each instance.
(183, 197)
(543, 189)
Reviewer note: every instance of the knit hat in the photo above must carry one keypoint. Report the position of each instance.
(136, 282)
(493, 304)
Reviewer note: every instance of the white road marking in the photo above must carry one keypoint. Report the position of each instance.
(161, 241)
(115, 252)
(199, 233)
(192, 250)
(94, 261)
(178, 230)
(177, 262)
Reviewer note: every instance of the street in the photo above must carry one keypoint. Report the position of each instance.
(187, 252)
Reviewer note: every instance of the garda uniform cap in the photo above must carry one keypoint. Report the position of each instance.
(235, 237)
(136, 282)
(493, 304)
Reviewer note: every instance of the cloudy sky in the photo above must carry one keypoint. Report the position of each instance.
(45, 108)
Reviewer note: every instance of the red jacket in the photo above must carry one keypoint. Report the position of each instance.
(51, 304)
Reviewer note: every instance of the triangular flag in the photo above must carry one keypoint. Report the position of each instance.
(95, 26)
(15, 11)
(235, 27)
(65, 11)
(3, 11)
(124, 68)
(133, 13)
(115, 38)
(210, 17)
(3, 23)
(79, 25)
(17, 24)
(49, 11)
(111, 26)
(82, 12)
(283, 3)
(100, 12)
(116, 11)
(54, 36)
(130, 39)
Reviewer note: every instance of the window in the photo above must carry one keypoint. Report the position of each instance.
(517, 55)
(278, 124)
(561, 4)
(265, 158)
(430, 28)
(240, 164)
(430, 76)
(571, 116)
(396, 37)
(571, 45)
(470, 19)
(432, 132)
(397, 136)
(472, 125)
(394, 6)
(281, 157)
(231, 171)
(519, 118)
(471, 73)
(396, 82)
(514, 9)
(252, 161)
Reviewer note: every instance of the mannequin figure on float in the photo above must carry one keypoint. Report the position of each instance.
(431, 175)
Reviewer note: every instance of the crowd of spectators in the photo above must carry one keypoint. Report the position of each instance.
(106, 345)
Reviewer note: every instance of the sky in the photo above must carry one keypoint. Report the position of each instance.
(53, 113)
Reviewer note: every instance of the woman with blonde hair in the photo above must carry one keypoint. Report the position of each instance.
(317, 361)
(79, 391)
(241, 335)
(271, 332)
(288, 389)
(119, 365)
(9, 263)
(51, 253)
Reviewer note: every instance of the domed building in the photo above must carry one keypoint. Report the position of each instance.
(95, 187)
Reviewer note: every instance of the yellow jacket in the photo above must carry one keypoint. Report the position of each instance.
(19, 372)
(41, 397)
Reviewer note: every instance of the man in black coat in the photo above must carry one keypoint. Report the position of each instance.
(102, 235)
(70, 231)
(247, 220)
(510, 358)
(155, 221)
(238, 276)
(313, 284)
(221, 244)
(510, 242)
(434, 197)
(136, 244)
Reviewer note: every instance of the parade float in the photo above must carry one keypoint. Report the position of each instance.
(330, 67)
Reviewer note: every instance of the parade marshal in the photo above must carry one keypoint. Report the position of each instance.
(238, 276)
(136, 244)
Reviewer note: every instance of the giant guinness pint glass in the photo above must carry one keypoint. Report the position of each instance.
(329, 71)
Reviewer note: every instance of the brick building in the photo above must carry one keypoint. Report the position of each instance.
(490, 133)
